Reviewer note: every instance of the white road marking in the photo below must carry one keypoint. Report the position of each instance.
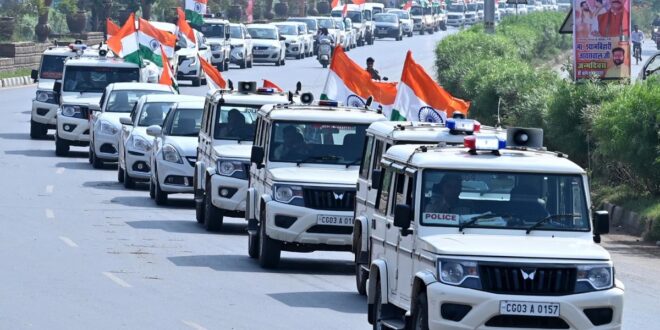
(60, 170)
(49, 189)
(116, 279)
(193, 325)
(50, 214)
(68, 242)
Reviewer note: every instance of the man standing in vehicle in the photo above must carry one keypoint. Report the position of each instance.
(370, 68)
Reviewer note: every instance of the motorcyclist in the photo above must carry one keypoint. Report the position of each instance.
(637, 38)
(323, 34)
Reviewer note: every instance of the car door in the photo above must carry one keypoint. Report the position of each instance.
(205, 139)
(404, 194)
(384, 235)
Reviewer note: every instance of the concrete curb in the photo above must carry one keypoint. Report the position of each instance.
(16, 81)
(630, 222)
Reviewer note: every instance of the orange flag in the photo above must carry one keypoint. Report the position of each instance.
(111, 28)
(213, 76)
(184, 27)
(270, 84)
(334, 4)
(359, 2)
(167, 77)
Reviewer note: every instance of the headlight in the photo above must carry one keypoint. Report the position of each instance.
(170, 154)
(232, 168)
(600, 277)
(288, 194)
(459, 273)
(108, 128)
(140, 144)
(71, 110)
(46, 97)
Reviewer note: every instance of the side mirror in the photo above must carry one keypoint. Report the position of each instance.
(203, 47)
(125, 121)
(154, 130)
(257, 156)
(34, 75)
(282, 38)
(601, 222)
(402, 218)
(177, 48)
(375, 179)
(57, 87)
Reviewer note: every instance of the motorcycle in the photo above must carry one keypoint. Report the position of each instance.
(325, 52)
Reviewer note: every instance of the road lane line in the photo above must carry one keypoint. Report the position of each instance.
(49, 189)
(50, 214)
(193, 325)
(60, 170)
(68, 242)
(116, 279)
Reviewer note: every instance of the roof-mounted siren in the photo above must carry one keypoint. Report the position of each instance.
(458, 115)
(482, 142)
(298, 87)
(247, 87)
(458, 126)
(78, 47)
(524, 138)
(306, 98)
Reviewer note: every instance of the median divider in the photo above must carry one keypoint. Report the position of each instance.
(16, 81)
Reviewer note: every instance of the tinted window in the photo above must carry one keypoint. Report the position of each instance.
(214, 30)
(154, 113)
(289, 30)
(184, 122)
(52, 66)
(123, 101)
(384, 193)
(235, 122)
(416, 11)
(96, 79)
(386, 18)
(366, 161)
(263, 33)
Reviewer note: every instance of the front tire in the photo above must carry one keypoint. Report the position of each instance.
(38, 131)
(213, 216)
(61, 147)
(420, 318)
(377, 307)
(361, 275)
(129, 183)
(96, 161)
(152, 189)
(269, 249)
(120, 174)
(159, 195)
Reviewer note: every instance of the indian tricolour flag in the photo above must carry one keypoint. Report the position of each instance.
(150, 39)
(195, 10)
(351, 85)
(420, 98)
(124, 43)
(185, 29)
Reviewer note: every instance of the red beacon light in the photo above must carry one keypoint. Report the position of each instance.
(265, 90)
(484, 143)
(463, 126)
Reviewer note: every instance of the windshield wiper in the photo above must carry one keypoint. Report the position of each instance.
(324, 157)
(550, 217)
(487, 215)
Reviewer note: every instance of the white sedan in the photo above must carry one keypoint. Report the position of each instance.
(174, 151)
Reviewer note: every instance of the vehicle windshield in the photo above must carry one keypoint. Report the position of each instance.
(184, 122)
(417, 11)
(52, 66)
(124, 101)
(327, 23)
(289, 30)
(339, 25)
(153, 113)
(311, 23)
(235, 122)
(95, 79)
(456, 8)
(355, 16)
(235, 31)
(377, 10)
(472, 6)
(318, 143)
(214, 30)
(263, 33)
(302, 29)
(367, 15)
(388, 18)
(504, 200)
(402, 14)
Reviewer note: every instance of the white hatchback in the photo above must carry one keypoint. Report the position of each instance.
(174, 151)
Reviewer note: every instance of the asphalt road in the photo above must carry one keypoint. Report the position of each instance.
(78, 251)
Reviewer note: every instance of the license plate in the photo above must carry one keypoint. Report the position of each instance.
(334, 220)
(529, 308)
(259, 52)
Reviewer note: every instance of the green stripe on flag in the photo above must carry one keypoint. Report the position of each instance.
(194, 18)
(396, 116)
(133, 57)
(150, 55)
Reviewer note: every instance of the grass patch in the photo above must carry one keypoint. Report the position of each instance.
(644, 203)
(15, 73)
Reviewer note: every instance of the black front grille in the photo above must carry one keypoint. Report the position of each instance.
(85, 112)
(329, 199)
(546, 281)
(520, 321)
(327, 229)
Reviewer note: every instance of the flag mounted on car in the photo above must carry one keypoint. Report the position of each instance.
(124, 44)
(213, 77)
(150, 39)
(111, 29)
(185, 28)
(167, 76)
(195, 10)
(420, 98)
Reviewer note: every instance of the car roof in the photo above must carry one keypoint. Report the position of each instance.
(288, 23)
(99, 62)
(315, 113)
(423, 132)
(455, 158)
(196, 104)
(128, 86)
(152, 98)
(261, 26)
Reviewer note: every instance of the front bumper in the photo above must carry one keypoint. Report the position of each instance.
(471, 20)
(237, 55)
(266, 56)
(106, 146)
(188, 70)
(137, 165)
(175, 177)
(306, 221)
(485, 306)
(387, 33)
(236, 193)
(74, 130)
(44, 113)
(294, 49)
(407, 28)
(218, 56)
(455, 21)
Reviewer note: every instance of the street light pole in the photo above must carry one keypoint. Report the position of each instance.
(489, 16)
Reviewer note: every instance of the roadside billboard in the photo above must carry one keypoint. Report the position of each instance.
(601, 39)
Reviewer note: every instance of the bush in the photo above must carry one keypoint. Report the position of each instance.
(627, 129)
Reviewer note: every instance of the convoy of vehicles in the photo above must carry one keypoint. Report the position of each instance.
(218, 36)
